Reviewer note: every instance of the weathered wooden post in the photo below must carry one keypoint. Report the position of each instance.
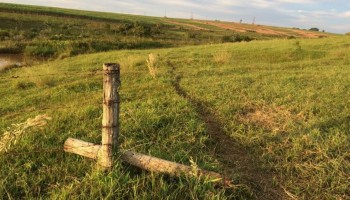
(110, 123)
(110, 118)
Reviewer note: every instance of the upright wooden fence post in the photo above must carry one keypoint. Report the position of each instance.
(110, 118)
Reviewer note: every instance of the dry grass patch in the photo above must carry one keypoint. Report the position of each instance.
(151, 64)
(13, 134)
(276, 118)
(222, 57)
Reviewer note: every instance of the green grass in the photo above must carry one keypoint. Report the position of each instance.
(285, 101)
(154, 121)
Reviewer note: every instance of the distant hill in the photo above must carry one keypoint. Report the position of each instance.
(55, 32)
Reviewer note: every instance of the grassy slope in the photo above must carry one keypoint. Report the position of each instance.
(288, 102)
(154, 121)
(284, 100)
(55, 32)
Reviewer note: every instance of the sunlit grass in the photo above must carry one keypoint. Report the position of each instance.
(286, 103)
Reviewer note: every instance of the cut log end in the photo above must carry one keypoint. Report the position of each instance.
(82, 148)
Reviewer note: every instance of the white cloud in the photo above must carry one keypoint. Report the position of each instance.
(346, 14)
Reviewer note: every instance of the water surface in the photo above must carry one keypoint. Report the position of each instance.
(10, 59)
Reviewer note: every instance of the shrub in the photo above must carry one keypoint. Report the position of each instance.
(79, 48)
(242, 38)
(136, 29)
(43, 50)
(156, 29)
(314, 29)
(124, 28)
(236, 38)
(139, 30)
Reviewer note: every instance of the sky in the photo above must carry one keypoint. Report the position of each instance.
(329, 15)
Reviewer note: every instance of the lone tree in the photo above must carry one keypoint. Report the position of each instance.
(314, 29)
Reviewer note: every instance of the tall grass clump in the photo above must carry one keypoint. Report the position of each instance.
(12, 135)
(222, 57)
(151, 64)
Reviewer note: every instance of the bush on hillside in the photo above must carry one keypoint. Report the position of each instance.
(136, 29)
(242, 38)
(156, 29)
(124, 28)
(80, 48)
(314, 29)
(192, 35)
(236, 38)
(43, 50)
(139, 30)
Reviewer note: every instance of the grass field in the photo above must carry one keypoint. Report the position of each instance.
(270, 115)
(284, 102)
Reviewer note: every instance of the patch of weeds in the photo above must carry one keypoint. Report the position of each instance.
(23, 85)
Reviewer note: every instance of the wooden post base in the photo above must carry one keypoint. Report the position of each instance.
(144, 162)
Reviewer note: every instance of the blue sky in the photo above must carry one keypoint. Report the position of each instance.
(329, 15)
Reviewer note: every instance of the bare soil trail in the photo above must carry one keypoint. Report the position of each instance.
(261, 29)
(234, 158)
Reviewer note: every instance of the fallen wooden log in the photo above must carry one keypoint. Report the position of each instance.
(154, 164)
(145, 162)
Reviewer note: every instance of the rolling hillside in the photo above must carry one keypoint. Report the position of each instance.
(57, 33)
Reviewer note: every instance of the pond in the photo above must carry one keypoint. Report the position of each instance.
(10, 60)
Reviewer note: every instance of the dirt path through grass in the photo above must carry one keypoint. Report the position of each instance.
(233, 157)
